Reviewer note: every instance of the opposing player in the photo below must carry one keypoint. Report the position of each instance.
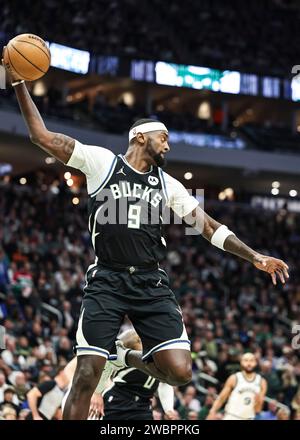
(127, 392)
(125, 194)
(244, 392)
(129, 396)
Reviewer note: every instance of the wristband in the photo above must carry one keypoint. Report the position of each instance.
(20, 81)
(219, 236)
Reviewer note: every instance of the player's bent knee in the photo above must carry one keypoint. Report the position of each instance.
(181, 375)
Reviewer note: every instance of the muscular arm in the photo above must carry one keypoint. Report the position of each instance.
(207, 226)
(223, 396)
(58, 145)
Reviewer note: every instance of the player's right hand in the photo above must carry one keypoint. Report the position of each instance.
(13, 76)
(96, 406)
(211, 415)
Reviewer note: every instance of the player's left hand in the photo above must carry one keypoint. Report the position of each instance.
(96, 406)
(273, 266)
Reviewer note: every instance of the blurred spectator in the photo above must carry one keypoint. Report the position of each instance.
(8, 400)
(270, 414)
(8, 413)
(4, 265)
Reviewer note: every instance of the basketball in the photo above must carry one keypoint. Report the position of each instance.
(27, 56)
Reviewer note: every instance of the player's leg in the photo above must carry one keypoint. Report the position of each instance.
(171, 366)
(86, 377)
(102, 314)
(157, 319)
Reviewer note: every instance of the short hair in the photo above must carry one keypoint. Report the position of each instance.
(142, 121)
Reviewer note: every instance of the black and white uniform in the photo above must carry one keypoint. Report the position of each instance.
(129, 397)
(50, 400)
(126, 277)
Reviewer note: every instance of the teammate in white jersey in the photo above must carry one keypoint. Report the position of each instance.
(243, 391)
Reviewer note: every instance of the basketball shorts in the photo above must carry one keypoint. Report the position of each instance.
(121, 407)
(147, 301)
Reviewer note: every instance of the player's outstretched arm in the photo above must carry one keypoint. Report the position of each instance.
(56, 144)
(220, 236)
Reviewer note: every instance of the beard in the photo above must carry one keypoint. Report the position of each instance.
(160, 161)
(157, 157)
(249, 369)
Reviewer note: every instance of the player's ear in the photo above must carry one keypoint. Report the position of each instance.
(140, 137)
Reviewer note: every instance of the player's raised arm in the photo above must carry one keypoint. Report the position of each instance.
(220, 236)
(56, 144)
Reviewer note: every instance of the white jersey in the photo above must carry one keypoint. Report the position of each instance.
(241, 401)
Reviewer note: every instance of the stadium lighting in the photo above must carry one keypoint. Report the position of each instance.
(75, 200)
(23, 181)
(70, 182)
(293, 193)
(128, 98)
(188, 175)
(222, 195)
(228, 192)
(275, 191)
(67, 175)
(39, 89)
(275, 184)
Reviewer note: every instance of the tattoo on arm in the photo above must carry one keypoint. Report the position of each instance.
(58, 145)
(64, 143)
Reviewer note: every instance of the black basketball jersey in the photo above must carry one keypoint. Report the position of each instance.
(132, 382)
(125, 217)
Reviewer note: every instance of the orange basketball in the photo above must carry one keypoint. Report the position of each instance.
(28, 56)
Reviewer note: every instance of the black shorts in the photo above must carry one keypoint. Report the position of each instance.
(144, 297)
(121, 407)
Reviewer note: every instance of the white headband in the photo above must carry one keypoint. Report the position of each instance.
(145, 128)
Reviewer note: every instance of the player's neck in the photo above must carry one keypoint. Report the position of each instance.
(249, 376)
(137, 160)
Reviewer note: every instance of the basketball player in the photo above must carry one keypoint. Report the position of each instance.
(126, 277)
(245, 392)
(129, 396)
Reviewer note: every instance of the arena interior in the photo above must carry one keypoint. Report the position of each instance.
(223, 81)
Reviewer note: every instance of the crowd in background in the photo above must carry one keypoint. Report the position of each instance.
(192, 32)
(229, 307)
